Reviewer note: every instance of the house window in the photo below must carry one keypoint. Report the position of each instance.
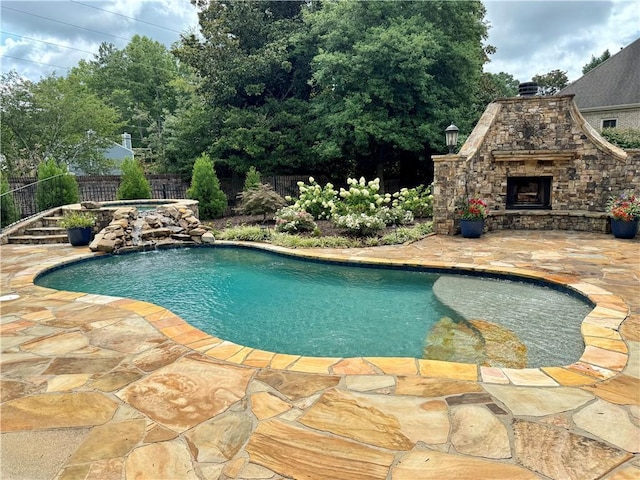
(610, 123)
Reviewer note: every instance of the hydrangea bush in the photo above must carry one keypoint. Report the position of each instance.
(361, 197)
(360, 209)
(395, 216)
(359, 224)
(315, 200)
(418, 200)
(291, 220)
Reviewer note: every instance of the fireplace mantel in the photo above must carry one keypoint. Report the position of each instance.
(533, 155)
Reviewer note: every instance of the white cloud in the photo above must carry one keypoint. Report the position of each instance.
(531, 36)
(83, 25)
(535, 37)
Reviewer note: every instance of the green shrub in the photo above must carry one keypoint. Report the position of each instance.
(418, 201)
(252, 180)
(133, 183)
(205, 187)
(9, 212)
(623, 137)
(56, 186)
(261, 200)
(245, 233)
(77, 220)
(404, 234)
(290, 220)
(295, 241)
(316, 200)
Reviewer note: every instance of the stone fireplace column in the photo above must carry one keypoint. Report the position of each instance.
(448, 187)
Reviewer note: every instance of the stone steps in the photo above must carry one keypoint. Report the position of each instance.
(45, 231)
(38, 239)
(41, 231)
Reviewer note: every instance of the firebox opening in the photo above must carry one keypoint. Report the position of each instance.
(529, 193)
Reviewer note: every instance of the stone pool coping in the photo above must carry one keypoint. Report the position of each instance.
(605, 354)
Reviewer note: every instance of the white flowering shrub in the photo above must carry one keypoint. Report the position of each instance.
(395, 216)
(291, 220)
(359, 224)
(314, 199)
(418, 200)
(361, 197)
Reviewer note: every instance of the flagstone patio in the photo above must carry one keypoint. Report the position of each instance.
(98, 387)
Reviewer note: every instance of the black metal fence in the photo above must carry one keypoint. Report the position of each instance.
(103, 188)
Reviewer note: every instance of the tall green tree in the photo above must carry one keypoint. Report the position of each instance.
(205, 187)
(136, 80)
(54, 118)
(388, 77)
(254, 71)
(595, 61)
(496, 85)
(552, 82)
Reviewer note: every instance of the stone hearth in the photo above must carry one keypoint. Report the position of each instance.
(538, 164)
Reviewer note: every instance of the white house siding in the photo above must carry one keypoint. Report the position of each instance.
(626, 118)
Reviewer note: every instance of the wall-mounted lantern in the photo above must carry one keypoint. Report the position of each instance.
(451, 137)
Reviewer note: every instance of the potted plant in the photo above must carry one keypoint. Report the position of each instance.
(624, 211)
(472, 213)
(79, 227)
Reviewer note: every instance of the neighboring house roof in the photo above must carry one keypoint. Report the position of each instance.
(117, 152)
(615, 82)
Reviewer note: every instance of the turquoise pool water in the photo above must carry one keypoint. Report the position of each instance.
(288, 305)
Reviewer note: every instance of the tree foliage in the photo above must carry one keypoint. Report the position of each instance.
(205, 187)
(389, 76)
(9, 211)
(138, 82)
(133, 183)
(53, 118)
(254, 78)
(56, 186)
(552, 82)
(595, 61)
(497, 85)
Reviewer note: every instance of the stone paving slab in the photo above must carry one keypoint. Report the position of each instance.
(109, 388)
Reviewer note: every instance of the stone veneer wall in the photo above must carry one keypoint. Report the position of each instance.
(534, 136)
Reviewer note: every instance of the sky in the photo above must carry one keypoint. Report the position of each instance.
(531, 36)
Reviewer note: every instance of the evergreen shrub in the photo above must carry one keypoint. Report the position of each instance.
(133, 184)
(205, 187)
(56, 186)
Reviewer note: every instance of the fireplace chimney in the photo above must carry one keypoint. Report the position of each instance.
(528, 89)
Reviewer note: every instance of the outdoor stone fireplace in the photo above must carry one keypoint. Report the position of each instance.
(538, 164)
(529, 193)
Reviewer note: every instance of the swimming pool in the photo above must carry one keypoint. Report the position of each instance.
(288, 305)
